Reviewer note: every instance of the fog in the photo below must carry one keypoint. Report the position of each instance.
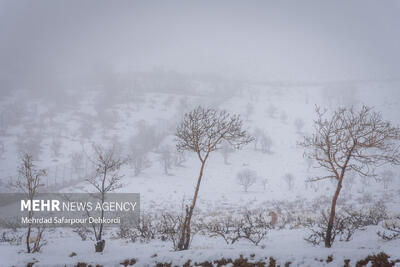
(287, 101)
(257, 40)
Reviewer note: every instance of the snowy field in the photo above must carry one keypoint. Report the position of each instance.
(60, 131)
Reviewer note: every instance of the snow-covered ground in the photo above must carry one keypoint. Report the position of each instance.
(271, 108)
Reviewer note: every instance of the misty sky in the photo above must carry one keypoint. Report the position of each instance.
(262, 40)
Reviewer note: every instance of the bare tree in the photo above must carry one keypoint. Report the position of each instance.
(166, 158)
(179, 157)
(246, 178)
(146, 139)
(258, 134)
(289, 179)
(261, 138)
(105, 179)
(356, 140)
(29, 182)
(202, 131)
(139, 161)
(266, 144)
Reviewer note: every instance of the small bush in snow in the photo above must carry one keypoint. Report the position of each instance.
(83, 232)
(250, 225)
(255, 226)
(391, 229)
(226, 227)
(347, 221)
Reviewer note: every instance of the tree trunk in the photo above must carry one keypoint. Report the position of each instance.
(28, 236)
(328, 238)
(184, 241)
(99, 246)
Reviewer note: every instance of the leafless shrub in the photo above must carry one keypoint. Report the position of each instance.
(146, 229)
(171, 228)
(391, 229)
(375, 213)
(319, 228)
(83, 232)
(251, 225)
(227, 227)
(11, 237)
(10, 223)
(347, 222)
(254, 226)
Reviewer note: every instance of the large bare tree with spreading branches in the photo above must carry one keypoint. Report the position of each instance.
(202, 131)
(105, 179)
(356, 140)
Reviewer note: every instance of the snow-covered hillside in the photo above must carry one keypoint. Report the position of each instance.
(142, 124)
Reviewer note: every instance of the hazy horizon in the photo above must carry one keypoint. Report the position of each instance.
(262, 41)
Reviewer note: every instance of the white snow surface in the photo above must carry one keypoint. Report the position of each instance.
(219, 190)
